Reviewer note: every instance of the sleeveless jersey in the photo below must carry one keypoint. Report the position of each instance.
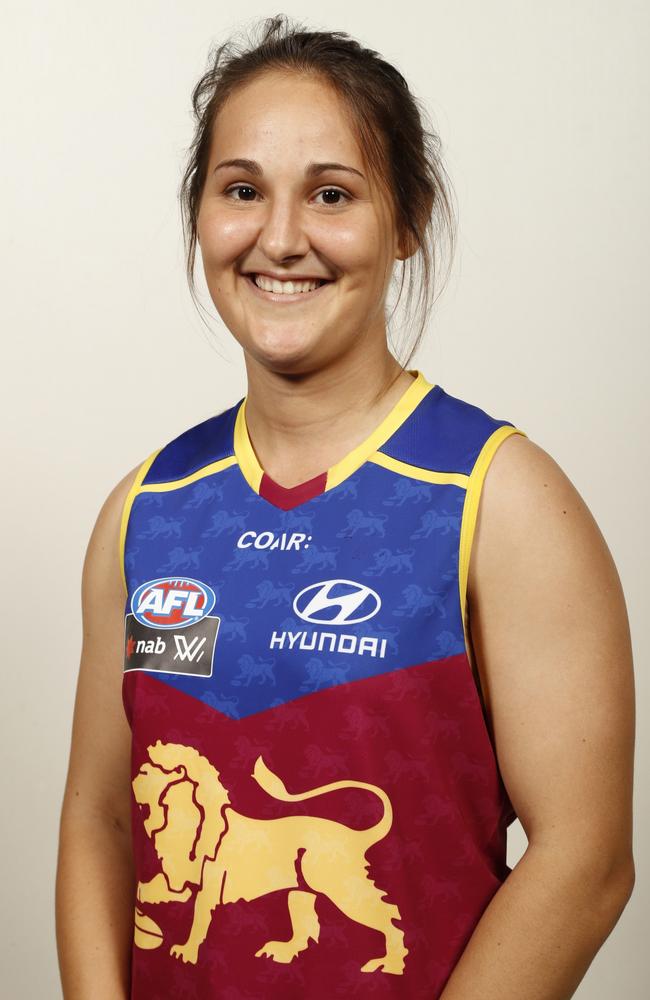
(317, 805)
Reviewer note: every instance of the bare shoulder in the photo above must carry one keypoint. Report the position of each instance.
(102, 564)
(529, 506)
(550, 633)
(99, 764)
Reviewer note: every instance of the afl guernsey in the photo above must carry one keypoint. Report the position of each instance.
(318, 810)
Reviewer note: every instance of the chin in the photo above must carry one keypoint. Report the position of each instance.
(282, 353)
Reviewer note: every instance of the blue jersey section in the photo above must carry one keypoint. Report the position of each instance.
(195, 448)
(401, 545)
(359, 580)
(445, 433)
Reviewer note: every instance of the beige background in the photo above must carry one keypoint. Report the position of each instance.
(543, 113)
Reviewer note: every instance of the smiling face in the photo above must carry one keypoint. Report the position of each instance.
(281, 214)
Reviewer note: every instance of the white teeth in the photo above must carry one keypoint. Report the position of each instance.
(284, 287)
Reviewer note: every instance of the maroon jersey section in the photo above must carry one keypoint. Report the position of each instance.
(288, 497)
(341, 844)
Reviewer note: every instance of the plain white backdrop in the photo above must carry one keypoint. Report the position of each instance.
(543, 115)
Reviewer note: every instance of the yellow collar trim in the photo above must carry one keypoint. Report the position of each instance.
(405, 405)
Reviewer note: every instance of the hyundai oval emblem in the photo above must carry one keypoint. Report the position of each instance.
(336, 602)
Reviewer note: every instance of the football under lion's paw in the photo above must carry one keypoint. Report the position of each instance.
(146, 932)
(186, 952)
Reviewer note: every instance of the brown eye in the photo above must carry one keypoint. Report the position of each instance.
(336, 192)
(241, 187)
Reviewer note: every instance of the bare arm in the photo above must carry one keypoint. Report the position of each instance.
(95, 882)
(551, 638)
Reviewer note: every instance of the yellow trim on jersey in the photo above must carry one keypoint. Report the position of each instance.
(406, 404)
(402, 409)
(470, 511)
(126, 508)
(250, 467)
(176, 484)
(415, 472)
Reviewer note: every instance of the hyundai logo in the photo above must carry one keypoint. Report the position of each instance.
(336, 602)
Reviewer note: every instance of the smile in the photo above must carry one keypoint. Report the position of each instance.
(274, 291)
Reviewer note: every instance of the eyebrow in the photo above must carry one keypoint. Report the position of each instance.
(311, 170)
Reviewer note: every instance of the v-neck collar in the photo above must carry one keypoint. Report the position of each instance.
(286, 498)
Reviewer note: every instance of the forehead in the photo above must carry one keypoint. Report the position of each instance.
(278, 112)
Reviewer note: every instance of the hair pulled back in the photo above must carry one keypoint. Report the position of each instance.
(403, 156)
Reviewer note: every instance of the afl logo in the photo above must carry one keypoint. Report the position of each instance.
(172, 603)
(336, 602)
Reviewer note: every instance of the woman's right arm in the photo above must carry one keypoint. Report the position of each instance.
(95, 891)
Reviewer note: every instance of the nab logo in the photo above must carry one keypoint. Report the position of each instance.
(336, 602)
(172, 603)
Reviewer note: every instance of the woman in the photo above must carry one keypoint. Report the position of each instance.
(317, 712)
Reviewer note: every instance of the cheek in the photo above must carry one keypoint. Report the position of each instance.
(352, 244)
(223, 239)
(355, 254)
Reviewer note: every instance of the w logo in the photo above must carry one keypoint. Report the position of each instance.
(336, 602)
(192, 651)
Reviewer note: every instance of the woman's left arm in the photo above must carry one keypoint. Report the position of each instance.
(550, 633)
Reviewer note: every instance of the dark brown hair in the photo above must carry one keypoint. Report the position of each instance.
(402, 156)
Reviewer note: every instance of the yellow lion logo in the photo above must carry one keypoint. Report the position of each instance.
(239, 857)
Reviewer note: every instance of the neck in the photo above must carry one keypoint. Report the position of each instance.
(301, 425)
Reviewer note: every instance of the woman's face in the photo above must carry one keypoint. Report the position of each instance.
(283, 213)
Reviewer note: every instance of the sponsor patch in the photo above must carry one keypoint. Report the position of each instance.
(336, 602)
(187, 650)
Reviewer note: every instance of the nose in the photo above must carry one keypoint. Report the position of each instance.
(282, 233)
